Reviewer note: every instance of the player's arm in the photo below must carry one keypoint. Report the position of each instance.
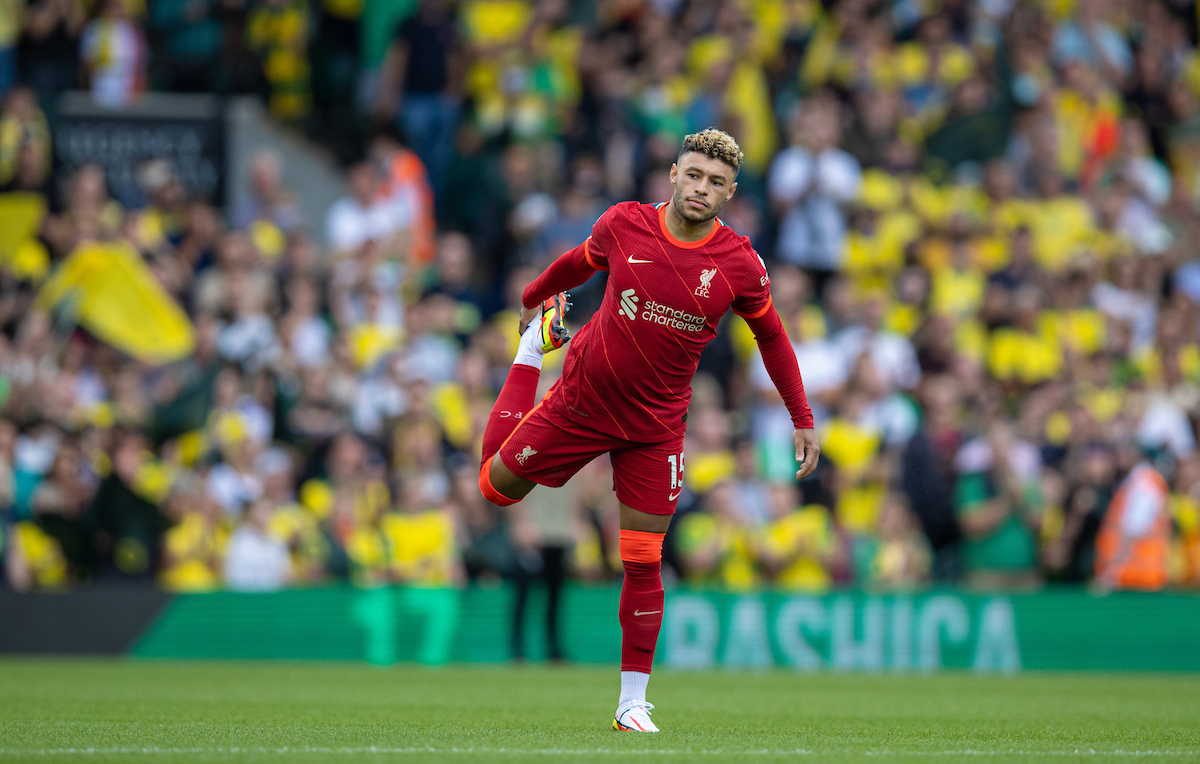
(780, 360)
(571, 269)
(753, 303)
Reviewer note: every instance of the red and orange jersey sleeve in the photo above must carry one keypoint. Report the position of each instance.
(603, 240)
(577, 265)
(594, 256)
(753, 298)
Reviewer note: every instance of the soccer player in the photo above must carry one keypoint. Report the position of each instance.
(674, 269)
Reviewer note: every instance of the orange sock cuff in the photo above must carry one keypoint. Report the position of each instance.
(641, 546)
(488, 490)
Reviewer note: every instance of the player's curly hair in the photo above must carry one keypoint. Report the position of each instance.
(714, 143)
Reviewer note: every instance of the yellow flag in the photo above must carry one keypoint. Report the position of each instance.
(117, 298)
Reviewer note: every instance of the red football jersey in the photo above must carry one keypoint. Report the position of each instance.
(629, 370)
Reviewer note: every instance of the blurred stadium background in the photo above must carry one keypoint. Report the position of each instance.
(259, 268)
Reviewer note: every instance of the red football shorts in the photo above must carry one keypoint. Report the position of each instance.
(548, 447)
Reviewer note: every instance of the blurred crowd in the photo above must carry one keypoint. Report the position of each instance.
(979, 218)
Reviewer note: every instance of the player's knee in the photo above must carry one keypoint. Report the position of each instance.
(499, 486)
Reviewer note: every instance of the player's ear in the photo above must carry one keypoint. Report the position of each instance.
(732, 188)
(674, 172)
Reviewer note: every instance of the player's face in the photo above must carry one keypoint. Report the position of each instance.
(702, 186)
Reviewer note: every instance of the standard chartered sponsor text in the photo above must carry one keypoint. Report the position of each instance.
(671, 317)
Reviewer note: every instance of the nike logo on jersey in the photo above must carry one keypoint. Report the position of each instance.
(648, 612)
(674, 496)
(633, 260)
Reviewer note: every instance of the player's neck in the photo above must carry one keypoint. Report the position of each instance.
(685, 230)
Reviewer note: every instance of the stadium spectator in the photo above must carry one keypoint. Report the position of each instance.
(12, 16)
(420, 81)
(277, 31)
(48, 55)
(800, 550)
(717, 545)
(928, 473)
(256, 560)
(406, 182)
(113, 56)
(997, 503)
(901, 559)
(268, 200)
(810, 183)
(362, 216)
(1132, 545)
(24, 143)
(543, 535)
(192, 32)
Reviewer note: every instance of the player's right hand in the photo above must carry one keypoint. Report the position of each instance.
(808, 451)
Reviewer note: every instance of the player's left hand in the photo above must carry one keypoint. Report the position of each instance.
(527, 315)
(807, 452)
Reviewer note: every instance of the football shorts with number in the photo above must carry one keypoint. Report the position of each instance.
(627, 377)
(548, 446)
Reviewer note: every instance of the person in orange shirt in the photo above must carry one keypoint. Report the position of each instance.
(1135, 534)
(405, 181)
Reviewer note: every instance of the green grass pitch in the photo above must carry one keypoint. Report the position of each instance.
(54, 710)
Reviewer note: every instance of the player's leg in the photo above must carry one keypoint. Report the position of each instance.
(499, 485)
(650, 477)
(640, 613)
(517, 398)
(545, 448)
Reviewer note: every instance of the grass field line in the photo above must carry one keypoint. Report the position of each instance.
(357, 751)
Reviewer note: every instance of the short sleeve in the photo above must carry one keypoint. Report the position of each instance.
(753, 299)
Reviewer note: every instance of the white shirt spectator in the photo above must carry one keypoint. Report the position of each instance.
(822, 364)
(976, 455)
(310, 342)
(377, 399)
(116, 52)
(891, 354)
(896, 417)
(256, 561)
(349, 224)
(824, 368)
(258, 420)
(249, 340)
(1133, 307)
(1145, 502)
(752, 500)
(1165, 424)
(1092, 43)
(814, 190)
(433, 358)
(1151, 178)
(232, 489)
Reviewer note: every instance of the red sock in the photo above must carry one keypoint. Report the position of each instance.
(516, 399)
(641, 608)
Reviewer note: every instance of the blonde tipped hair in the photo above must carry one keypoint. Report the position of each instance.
(714, 143)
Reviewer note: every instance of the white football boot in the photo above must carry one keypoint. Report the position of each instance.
(634, 716)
